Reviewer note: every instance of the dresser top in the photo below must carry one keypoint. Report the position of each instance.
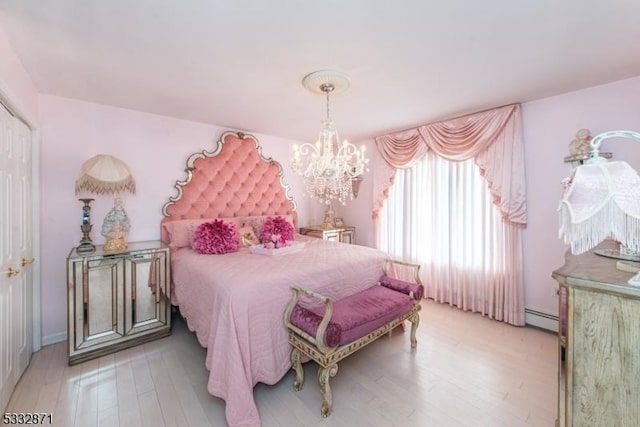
(149, 245)
(321, 228)
(595, 272)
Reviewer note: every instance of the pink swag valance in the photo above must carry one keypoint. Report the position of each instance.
(492, 138)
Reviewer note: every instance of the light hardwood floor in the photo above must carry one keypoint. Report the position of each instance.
(466, 371)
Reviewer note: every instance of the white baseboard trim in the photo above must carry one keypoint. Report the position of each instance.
(55, 338)
(540, 319)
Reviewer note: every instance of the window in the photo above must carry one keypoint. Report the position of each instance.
(440, 215)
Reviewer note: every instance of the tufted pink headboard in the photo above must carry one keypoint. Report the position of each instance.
(234, 180)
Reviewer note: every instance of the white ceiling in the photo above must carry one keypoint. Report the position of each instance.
(240, 63)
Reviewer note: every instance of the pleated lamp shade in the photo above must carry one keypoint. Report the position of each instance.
(105, 174)
(601, 201)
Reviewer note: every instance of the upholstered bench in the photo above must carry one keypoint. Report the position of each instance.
(329, 332)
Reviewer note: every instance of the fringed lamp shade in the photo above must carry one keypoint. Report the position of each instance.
(601, 201)
(105, 174)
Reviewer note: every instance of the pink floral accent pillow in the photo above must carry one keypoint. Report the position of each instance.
(217, 237)
(277, 228)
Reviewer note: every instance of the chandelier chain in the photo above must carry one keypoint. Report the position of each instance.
(327, 88)
(328, 116)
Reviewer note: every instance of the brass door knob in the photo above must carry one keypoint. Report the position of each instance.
(27, 261)
(10, 272)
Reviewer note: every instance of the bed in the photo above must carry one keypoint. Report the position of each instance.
(234, 303)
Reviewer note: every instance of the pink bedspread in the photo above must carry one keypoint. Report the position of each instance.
(235, 304)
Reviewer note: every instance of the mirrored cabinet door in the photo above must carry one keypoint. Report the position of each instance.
(96, 302)
(117, 300)
(146, 292)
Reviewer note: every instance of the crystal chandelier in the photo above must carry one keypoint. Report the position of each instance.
(329, 168)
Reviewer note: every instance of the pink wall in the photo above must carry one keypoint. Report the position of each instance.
(15, 81)
(549, 126)
(154, 147)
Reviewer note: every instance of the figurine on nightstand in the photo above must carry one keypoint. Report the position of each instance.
(115, 228)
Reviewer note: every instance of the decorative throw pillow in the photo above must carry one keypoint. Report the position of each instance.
(277, 228)
(257, 222)
(402, 286)
(180, 232)
(248, 237)
(217, 237)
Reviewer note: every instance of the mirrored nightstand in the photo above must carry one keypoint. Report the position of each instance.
(344, 234)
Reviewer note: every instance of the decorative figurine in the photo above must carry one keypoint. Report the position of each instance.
(582, 144)
(115, 228)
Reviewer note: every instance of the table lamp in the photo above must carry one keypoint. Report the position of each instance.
(601, 200)
(106, 174)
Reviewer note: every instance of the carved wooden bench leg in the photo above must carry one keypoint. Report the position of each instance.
(297, 365)
(415, 321)
(323, 379)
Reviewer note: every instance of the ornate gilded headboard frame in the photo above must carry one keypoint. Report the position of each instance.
(233, 180)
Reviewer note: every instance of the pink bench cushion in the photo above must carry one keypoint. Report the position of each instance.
(354, 316)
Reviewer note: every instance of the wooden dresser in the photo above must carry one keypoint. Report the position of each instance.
(599, 376)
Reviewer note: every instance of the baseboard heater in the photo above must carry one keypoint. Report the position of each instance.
(540, 319)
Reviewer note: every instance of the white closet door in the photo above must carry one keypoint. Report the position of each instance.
(16, 252)
(23, 299)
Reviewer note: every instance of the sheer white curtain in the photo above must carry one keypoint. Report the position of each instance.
(440, 214)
